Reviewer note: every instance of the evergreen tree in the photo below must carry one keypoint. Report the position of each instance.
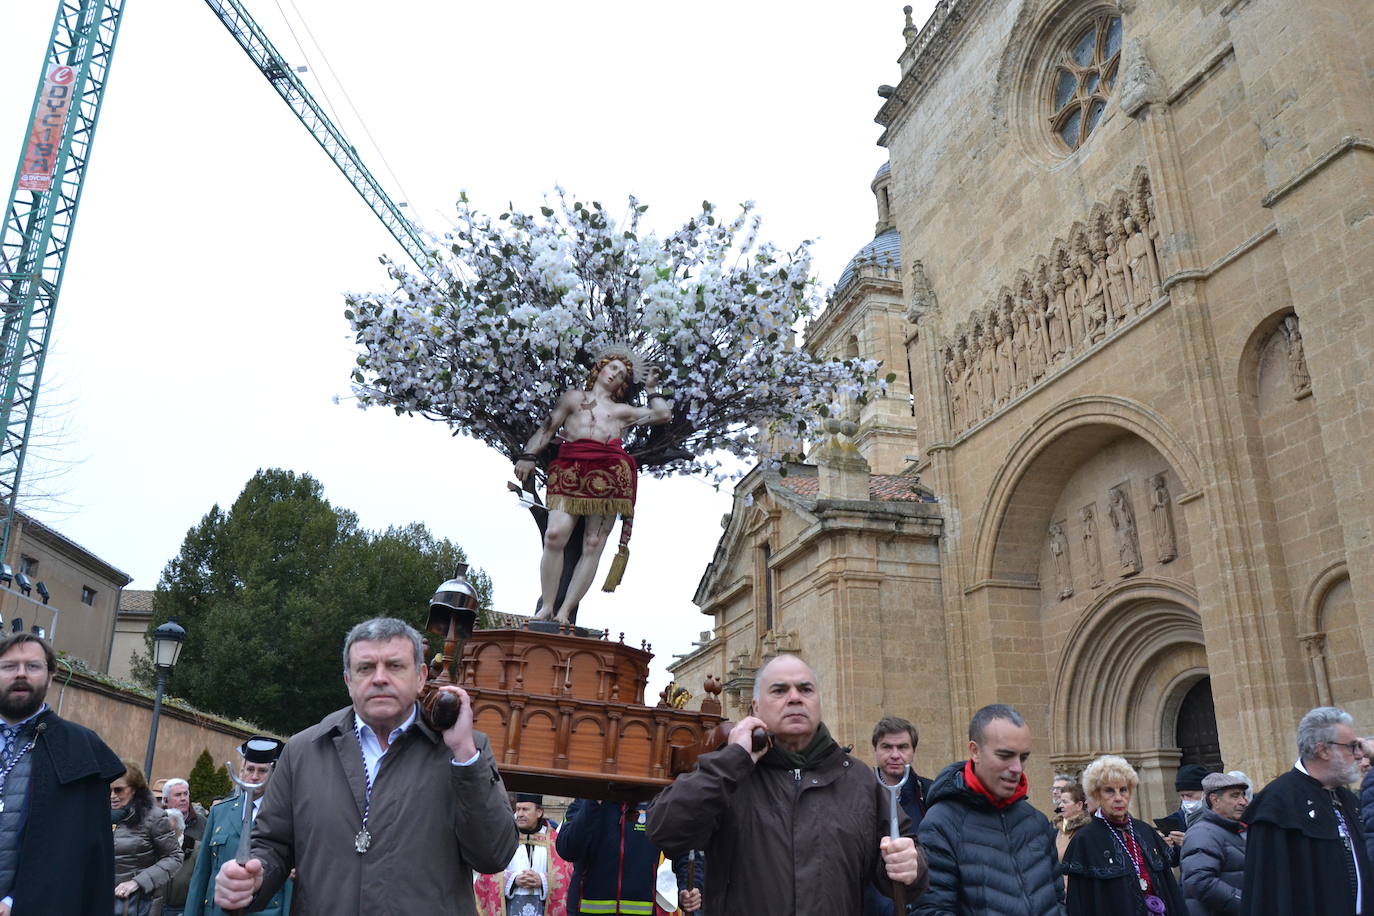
(207, 782)
(268, 589)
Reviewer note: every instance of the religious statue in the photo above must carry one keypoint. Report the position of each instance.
(1297, 360)
(1092, 553)
(1090, 267)
(1055, 318)
(1020, 347)
(1162, 515)
(593, 477)
(1059, 549)
(954, 369)
(1140, 262)
(1074, 289)
(1127, 537)
(1005, 371)
(1118, 300)
(1037, 345)
(987, 368)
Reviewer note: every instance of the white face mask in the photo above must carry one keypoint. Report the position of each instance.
(1191, 806)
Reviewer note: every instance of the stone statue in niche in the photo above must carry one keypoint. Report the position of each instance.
(1036, 341)
(1092, 552)
(954, 370)
(1140, 263)
(922, 296)
(969, 381)
(1297, 360)
(1118, 300)
(1072, 282)
(987, 365)
(1059, 549)
(1127, 537)
(1162, 516)
(1020, 346)
(1091, 267)
(1053, 304)
(1145, 215)
(1005, 370)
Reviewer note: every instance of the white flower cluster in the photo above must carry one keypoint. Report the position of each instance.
(517, 306)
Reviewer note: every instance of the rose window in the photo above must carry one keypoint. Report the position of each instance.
(1083, 80)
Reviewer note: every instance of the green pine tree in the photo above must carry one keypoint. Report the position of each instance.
(204, 779)
(268, 589)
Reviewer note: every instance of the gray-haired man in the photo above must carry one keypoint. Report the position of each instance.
(377, 812)
(1305, 853)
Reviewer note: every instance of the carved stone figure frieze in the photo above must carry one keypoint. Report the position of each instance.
(1127, 537)
(1059, 549)
(1066, 304)
(1092, 551)
(1297, 360)
(1162, 517)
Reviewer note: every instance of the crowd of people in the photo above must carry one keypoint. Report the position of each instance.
(373, 811)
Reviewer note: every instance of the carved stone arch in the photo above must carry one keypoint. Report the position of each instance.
(1099, 223)
(1006, 302)
(1119, 206)
(1078, 237)
(1314, 601)
(1040, 269)
(1142, 195)
(1129, 660)
(1022, 284)
(1075, 427)
(1059, 255)
(1247, 364)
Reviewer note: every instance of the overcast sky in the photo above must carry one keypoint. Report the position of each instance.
(200, 331)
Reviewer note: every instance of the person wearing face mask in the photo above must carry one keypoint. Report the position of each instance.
(1306, 852)
(1188, 785)
(1213, 857)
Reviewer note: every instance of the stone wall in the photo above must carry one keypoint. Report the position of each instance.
(122, 717)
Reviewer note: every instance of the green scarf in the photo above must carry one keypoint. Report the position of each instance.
(813, 753)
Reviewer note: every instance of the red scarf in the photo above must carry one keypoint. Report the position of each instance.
(1126, 833)
(971, 780)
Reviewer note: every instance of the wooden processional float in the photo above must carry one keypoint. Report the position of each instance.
(563, 709)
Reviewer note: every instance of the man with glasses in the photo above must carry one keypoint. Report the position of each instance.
(60, 860)
(1306, 853)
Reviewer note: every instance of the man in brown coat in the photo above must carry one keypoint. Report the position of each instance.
(377, 812)
(798, 828)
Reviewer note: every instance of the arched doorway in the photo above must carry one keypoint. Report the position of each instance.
(1196, 729)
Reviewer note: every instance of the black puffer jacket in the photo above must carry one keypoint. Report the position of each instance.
(1213, 863)
(985, 861)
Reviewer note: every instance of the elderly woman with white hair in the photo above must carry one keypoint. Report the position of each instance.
(1117, 864)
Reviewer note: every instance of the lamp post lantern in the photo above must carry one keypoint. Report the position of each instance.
(167, 642)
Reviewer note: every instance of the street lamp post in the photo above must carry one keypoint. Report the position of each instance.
(167, 642)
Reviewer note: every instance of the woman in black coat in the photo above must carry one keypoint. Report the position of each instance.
(1117, 865)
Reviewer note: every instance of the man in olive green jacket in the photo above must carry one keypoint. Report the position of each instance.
(376, 811)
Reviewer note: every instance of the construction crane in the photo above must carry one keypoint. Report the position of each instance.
(41, 214)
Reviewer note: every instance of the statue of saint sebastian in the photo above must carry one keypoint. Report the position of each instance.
(593, 476)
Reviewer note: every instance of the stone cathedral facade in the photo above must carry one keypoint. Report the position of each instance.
(1124, 271)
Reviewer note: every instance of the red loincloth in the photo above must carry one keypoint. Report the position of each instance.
(593, 478)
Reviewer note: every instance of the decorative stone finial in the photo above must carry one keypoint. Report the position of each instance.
(922, 296)
(1140, 83)
(909, 30)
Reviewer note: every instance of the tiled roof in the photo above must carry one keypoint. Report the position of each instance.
(881, 487)
(135, 600)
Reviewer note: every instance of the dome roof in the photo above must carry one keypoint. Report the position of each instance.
(885, 249)
(884, 169)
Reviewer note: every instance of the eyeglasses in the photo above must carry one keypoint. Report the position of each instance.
(12, 667)
(1355, 748)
